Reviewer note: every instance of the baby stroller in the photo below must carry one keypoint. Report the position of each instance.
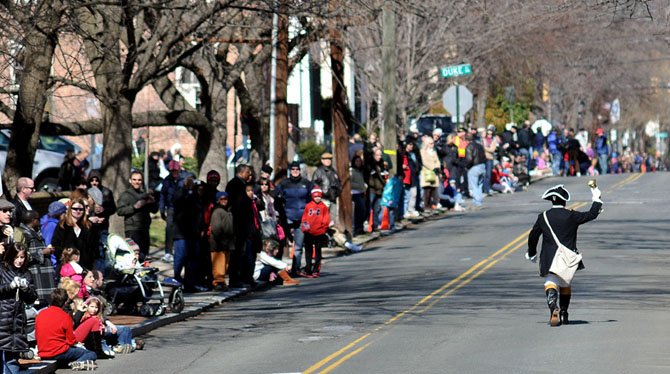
(135, 288)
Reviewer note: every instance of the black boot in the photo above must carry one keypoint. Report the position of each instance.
(566, 294)
(552, 303)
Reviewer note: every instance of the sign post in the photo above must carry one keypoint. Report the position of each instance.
(457, 99)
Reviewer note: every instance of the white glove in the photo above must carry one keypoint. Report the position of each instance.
(15, 283)
(531, 259)
(595, 194)
(23, 284)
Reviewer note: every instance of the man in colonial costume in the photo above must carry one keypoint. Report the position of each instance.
(564, 223)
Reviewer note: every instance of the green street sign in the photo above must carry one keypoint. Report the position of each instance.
(455, 70)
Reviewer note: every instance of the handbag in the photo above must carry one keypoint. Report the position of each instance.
(566, 261)
(269, 229)
(428, 175)
(280, 232)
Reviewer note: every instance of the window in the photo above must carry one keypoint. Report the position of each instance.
(55, 144)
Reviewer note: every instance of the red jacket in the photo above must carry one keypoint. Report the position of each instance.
(54, 332)
(315, 219)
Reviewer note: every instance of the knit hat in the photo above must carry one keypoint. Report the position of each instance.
(174, 165)
(294, 164)
(267, 169)
(56, 208)
(221, 194)
(316, 191)
(213, 175)
(558, 191)
(95, 194)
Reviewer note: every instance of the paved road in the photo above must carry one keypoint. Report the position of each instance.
(453, 296)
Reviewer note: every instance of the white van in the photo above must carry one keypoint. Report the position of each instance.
(48, 159)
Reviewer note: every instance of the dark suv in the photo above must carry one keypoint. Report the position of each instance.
(426, 124)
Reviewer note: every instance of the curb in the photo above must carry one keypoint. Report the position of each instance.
(211, 300)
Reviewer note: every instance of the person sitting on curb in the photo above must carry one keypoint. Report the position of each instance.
(269, 269)
(54, 332)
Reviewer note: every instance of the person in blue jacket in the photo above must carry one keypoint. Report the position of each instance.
(602, 150)
(296, 191)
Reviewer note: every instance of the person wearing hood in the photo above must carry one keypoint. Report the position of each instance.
(559, 224)
(106, 207)
(48, 224)
(296, 191)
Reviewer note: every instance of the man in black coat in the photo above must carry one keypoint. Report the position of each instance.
(564, 223)
(24, 189)
(241, 207)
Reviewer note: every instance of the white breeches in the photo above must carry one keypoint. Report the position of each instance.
(555, 280)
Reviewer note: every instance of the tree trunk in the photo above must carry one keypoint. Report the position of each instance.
(214, 157)
(281, 106)
(40, 43)
(117, 150)
(340, 131)
(253, 116)
(482, 95)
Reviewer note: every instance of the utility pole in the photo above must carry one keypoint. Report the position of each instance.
(345, 210)
(278, 157)
(389, 67)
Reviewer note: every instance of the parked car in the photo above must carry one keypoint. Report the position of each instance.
(48, 159)
(241, 156)
(426, 124)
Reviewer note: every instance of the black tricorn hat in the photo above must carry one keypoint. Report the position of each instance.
(559, 191)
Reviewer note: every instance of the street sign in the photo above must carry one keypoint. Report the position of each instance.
(662, 135)
(457, 100)
(455, 70)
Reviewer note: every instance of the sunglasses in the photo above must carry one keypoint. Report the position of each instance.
(78, 209)
(7, 210)
(295, 169)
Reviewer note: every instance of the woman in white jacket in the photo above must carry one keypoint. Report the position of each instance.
(429, 169)
(268, 268)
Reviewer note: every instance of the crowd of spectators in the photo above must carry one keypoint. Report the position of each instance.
(217, 239)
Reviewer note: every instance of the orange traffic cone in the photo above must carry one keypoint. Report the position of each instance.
(385, 225)
(371, 220)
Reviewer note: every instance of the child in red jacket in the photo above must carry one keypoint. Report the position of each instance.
(315, 222)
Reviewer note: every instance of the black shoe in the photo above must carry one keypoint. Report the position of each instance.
(221, 287)
(251, 283)
(564, 317)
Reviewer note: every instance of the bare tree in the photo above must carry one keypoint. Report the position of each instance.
(33, 29)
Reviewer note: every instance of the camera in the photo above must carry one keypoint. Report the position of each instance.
(7, 234)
